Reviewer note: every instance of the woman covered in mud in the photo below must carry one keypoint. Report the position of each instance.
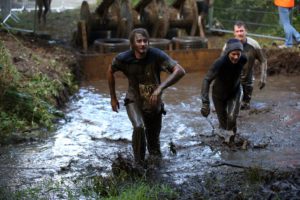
(142, 66)
(227, 90)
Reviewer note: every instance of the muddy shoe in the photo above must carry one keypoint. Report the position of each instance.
(245, 145)
(154, 161)
(138, 169)
(230, 137)
(221, 133)
(245, 106)
(283, 46)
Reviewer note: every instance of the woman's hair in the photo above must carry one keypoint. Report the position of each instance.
(141, 31)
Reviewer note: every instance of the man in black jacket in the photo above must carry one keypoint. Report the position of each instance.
(227, 91)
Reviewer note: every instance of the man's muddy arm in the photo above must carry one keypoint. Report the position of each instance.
(263, 68)
(209, 77)
(112, 89)
(177, 73)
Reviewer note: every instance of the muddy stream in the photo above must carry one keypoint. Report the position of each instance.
(92, 135)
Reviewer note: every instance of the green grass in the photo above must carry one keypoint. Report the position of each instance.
(110, 188)
(28, 101)
(144, 191)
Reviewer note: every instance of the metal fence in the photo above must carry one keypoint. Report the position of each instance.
(10, 10)
(261, 17)
(29, 5)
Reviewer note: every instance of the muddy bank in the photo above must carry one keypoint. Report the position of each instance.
(254, 183)
(283, 61)
(37, 78)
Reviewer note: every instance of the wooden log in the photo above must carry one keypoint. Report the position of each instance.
(83, 35)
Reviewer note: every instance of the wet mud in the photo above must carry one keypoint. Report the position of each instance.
(196, 162)
(283, 62)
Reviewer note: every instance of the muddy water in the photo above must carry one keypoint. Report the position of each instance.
(90, 137)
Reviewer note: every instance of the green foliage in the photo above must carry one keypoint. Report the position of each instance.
(43, 87)
(9, 75)
(116, 188)
(22, 110)
(29, 102)
(144, 191)
(47, 189)
(127, 187)
(147, 192)
(10, 122)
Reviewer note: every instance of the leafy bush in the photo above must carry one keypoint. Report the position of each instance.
(29, 101)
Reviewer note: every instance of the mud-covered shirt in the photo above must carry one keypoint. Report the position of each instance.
(143, 74)
(226, 76)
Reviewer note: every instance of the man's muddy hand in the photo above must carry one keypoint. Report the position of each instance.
(115, 104)
(261, 85)
(155, 97)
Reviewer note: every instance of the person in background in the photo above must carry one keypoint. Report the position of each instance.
(227, 90)
(284, 10)
(142, 66)
(43, 13)
(203, 8)
(253, 52)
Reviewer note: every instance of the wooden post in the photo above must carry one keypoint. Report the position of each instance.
(83, 35)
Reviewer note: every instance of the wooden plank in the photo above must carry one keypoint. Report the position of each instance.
(83, 35)
(94, 66)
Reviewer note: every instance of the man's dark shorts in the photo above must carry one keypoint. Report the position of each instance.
(202, 7)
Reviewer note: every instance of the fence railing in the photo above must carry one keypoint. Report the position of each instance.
(10, 10)
(261, 17)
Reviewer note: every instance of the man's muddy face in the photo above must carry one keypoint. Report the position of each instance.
(240, 33)
(234, 56)
(140, 45)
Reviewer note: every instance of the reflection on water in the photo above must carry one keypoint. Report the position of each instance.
(92, 135)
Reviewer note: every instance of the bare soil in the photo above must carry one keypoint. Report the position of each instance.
(283, 61)
(24, 48)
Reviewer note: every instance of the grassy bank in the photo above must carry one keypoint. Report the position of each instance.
(97, 187)
(34, 77)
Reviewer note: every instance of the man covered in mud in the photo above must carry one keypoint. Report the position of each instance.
(142, 66)
(253, 52)
(227, 90)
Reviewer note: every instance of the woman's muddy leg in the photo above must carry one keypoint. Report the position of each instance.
(234, 105)
(220, 107)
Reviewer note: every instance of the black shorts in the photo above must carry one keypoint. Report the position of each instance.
(202, 7)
